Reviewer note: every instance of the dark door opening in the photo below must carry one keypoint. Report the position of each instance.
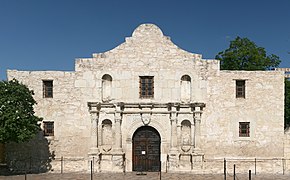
(146, 149)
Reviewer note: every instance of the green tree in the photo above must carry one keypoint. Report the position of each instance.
(244, 54)
(287, 103)
(17, 120)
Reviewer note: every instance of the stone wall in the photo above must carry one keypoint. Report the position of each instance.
(67, 109)
(212, 95)
(263, 107)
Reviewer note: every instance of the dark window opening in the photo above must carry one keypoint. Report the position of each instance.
(48, 128)
(244, 129)
(146, 86)
(240, 88)
(48, 89)
(185, 78)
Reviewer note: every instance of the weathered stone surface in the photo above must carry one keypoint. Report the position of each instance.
(102, 96)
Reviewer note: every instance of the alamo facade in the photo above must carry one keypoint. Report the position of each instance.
(148, 105)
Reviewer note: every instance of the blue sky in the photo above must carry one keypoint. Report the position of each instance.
(50, 34)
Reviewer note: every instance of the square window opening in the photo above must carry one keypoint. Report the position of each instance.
(240, 88)
(146, 86)
(244, 129)
(47, 88)
(48, 128)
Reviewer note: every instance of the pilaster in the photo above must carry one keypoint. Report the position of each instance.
(118, 131)
(94, 150)
(173, 120)
(197, 133)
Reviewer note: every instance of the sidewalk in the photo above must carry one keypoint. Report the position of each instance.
(147, 176)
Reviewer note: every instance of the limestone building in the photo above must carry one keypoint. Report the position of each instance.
(148, 105)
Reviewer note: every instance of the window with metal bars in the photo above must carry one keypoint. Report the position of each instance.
(48, 128)
(244, 129)
(146, 86)
(47, 88)
(240, 88)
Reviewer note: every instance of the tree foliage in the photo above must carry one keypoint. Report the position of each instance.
(287, 103)
(244, 54)
(17, 120)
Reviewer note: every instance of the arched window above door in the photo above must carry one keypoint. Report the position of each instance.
(185, 88)
(106, 87)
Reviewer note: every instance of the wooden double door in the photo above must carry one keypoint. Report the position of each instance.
(146, 149)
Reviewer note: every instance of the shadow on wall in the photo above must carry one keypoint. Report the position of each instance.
(29, 157)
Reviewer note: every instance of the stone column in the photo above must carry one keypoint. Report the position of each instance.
(192, 135)
(179, 138)
(197, 155)
(94, 133)
(197, 119)
(94, 152)
(173, 142)
(118, 132)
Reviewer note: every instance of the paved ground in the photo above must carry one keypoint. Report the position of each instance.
(148, 176)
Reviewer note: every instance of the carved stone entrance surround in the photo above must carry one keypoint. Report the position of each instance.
(176, 153)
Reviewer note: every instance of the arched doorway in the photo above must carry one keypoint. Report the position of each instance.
(146, 149)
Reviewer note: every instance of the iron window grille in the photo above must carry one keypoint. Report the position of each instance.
(240, 88)
(244, 129)
(146, 86)
(47, 88)
(48, 128)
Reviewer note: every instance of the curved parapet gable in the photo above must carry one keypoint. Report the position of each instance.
(147, 30)
(147, 49)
